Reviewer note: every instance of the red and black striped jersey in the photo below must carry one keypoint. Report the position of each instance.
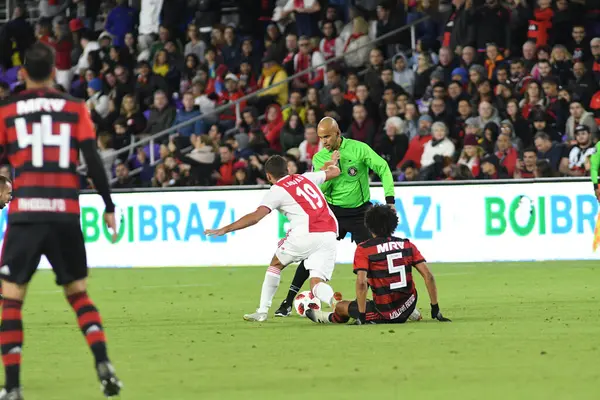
(41, 132)
(388, 262)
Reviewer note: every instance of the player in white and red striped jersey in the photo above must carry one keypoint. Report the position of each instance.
(312, 236)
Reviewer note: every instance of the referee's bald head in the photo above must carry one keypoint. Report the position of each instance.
(328, 131)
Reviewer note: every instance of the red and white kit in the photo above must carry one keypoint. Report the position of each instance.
(313, 227)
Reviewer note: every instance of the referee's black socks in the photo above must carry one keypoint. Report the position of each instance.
(300, 277)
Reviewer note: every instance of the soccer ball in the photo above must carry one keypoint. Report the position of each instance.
(304, 301)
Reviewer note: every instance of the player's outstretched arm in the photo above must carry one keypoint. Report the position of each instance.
(432, 290)
(382, 169)
(361, 294)
(247, 220)
(332, 172)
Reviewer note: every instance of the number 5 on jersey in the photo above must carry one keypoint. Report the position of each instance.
(397, 269)
(41, 136)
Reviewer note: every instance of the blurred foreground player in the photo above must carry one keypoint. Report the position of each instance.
(42, 132)
(312, 236)
(384, 263)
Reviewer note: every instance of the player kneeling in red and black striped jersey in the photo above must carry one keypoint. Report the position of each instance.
(383, 263)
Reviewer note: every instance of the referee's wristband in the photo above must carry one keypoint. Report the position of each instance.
(595, 186)
(390, 200)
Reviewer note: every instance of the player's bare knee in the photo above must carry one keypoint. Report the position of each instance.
(276, 263)
(75, 287)
(341, 308)
(13, 291)
(314, 282)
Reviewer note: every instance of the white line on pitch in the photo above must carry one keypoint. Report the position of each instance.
(138, 287)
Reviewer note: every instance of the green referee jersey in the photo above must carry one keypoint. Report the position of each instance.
(351, 188)
(594, 165)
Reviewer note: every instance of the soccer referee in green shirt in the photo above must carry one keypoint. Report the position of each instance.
(348, 195)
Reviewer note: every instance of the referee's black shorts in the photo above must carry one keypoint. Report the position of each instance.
(61, 243)
(352, 220)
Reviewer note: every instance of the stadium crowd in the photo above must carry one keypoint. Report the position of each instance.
(493, 89)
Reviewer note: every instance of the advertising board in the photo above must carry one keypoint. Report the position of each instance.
(449, 223)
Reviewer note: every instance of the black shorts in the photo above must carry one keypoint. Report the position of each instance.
(352, 221)
(375, 317)
(61, 243)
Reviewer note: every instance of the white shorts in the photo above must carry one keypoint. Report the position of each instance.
(317, 250)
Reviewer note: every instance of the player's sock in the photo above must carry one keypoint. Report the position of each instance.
(90, 324)
(300, 277)
(269, 287)
(337, 319)
(11, 338)
(323, 292)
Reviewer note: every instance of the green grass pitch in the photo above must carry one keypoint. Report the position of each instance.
(519, 331)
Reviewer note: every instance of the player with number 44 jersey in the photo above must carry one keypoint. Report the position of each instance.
(42, 132)
(312, 235)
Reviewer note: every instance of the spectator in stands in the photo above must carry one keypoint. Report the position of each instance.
(529, 55)
(573, 161)
(467, 59)
(306, 15)
(393, 144)
(439, 145)
(363, 97)
(310, 146)
(387, 81)
(492, 25)
(487, 114)
(409, 172)
(507, 128)
(295, 106)
(372, 77)
(273, 126)
(292, 133)
(339, 108)
(15, 37)
(491, 168)
(61, 42)
(543, 169)
(97, 101)
(272, 74)
(89, 46)
(356, 48)
(583, 86)
(471, 155)
(120, 20)
(507, 155)
(526, 167)
(334, 78)
(579, 45)
(458, 28)
(249, 120)
(579, 116)
(188, 112)
(423, 73)
(195, 45)
(147, 84)
(124, 181)
(403, 75)
(306, 59)
(162, 177)
(362, 128)
(224, 174)
(229, 117)
(389, 18)
(331, 45)
(122, 136)
(548, 150)
(231, 48)
(417, 143)
(313, 115)
(162, 115)
(107, 153)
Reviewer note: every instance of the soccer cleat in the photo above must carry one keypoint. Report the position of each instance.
(317, 316)
(256, 317)
(110, 384)
(14, 394)
(415, 316)
(284, 310)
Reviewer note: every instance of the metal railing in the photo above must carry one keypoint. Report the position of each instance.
(151, 140)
